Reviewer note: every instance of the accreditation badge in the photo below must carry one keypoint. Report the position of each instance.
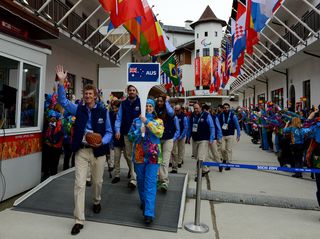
(195, 128)
(225, 126)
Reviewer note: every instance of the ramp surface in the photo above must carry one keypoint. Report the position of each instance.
(120, 205)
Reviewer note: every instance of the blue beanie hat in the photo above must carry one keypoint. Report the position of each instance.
(53, 113)
(151, 102)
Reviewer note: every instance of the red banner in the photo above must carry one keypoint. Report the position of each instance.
(19, 145)
(206, 70)
(197, 71)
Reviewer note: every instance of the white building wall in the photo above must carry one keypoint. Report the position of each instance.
(114, 78)
(241, 100)
(211, 39)
(303, 71)
(178, 39)
(74, 64)
(308, 70)
(278, 82)
(260, 89)
(188, 77)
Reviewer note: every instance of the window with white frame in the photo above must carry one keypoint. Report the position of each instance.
(19, 93)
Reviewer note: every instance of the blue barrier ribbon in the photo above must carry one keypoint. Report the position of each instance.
(263, 167)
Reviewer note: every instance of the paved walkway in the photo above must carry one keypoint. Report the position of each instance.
(225, 220)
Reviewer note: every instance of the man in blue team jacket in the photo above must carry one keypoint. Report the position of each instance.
(129, 110)
(229, 123)
(202, 131)
(90, 117)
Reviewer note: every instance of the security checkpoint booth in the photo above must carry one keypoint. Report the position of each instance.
(35, 36)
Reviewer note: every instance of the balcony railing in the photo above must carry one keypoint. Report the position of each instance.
(56, 10)
(311, 18)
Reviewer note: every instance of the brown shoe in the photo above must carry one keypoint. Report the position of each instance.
(132, 185)
(96, 208)
(76, 228)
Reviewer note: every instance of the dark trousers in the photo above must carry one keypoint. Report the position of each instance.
(269, 138)
(50, 160)
(318, 187)
(67, 149)
(297, 154)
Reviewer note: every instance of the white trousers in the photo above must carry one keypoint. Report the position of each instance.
(84, 159)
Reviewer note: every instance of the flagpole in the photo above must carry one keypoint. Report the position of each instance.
(116, 7)
(168, 58)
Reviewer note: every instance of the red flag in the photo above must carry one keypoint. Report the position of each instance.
(277, 5)
(252, 35)
(211, 90)
(168, 86)
(149, 34)
(218, 81)
(182, 91)
(161, 47)
(108, 5)
(122, 10)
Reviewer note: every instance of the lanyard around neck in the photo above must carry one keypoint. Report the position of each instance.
(224, 119)
(198, 119)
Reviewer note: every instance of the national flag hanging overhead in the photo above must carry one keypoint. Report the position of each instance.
(133, 26)
(122, 10)
(170, 68)
(148, 34)
(239, 34)
(160, 38)
(277, 5)
(227, 67)
(164, 79)
(261, 11)
(252, 35)
(169, 46)
(149, 39)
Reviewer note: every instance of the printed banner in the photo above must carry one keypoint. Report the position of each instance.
(263, 167)
(19, 145)
(206, 70)
(197, 71)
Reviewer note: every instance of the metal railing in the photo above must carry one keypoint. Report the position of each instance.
(55, 10)
(311, 18)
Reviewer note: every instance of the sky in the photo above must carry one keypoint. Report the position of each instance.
(176, 12)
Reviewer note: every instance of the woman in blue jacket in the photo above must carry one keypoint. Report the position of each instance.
(297, 140)
(145, 133)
